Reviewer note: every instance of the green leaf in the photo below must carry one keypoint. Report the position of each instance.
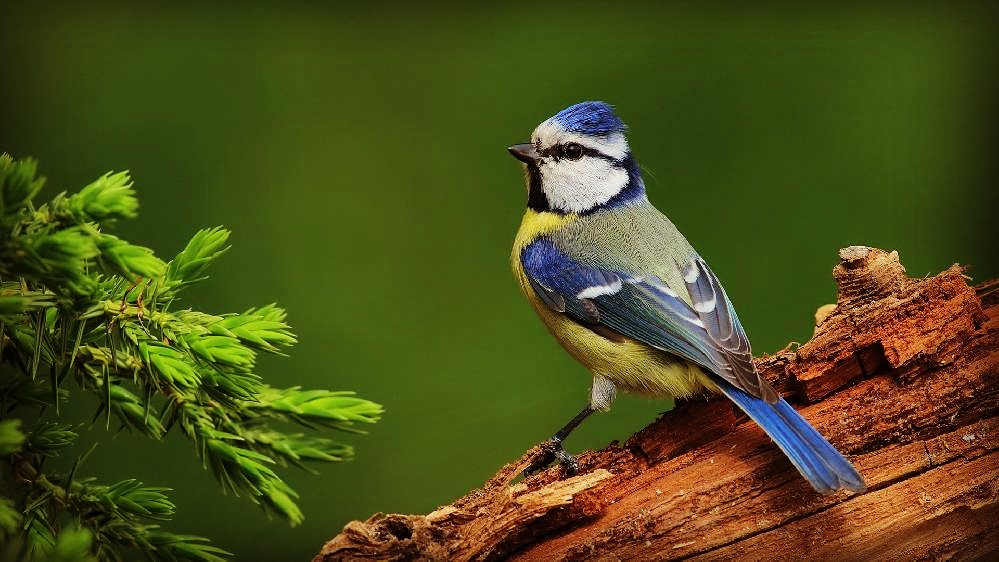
(231, 387)
(13, 305)
(41, 537)
(339, 410)
(297, 448)
(134, 499)
(131, 410)
(185, 547)
(281, 499)
(110, 197)
(11, 438)
(49, 437)
(60, 259)
(170, 364)
(128, 260)
(271, 312)
(10, 519)
(191, 263)
(222, 350)
(18, 184)
(72, 544)
(263, 328)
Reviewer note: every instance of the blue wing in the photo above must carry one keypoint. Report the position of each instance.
(646, 309)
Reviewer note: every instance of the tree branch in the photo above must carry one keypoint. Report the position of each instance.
(902, 375)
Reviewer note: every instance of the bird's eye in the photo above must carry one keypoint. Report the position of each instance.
(572, 151)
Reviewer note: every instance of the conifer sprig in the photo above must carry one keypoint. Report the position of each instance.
(85, 312)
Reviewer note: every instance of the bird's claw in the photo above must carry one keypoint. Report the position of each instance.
(552, 450)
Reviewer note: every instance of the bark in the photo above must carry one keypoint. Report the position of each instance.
(902, 376)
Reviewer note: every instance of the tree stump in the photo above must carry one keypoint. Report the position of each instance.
(902, 376)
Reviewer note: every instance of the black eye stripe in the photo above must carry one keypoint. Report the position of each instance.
(554, 151)
(587, 151)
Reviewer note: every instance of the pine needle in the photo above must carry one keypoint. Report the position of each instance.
(153, 371)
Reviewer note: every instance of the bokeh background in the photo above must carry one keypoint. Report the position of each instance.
(358, 155)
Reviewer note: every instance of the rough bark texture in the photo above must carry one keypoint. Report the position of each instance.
(902, 376)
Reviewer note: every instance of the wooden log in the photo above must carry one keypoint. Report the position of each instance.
(902, 375)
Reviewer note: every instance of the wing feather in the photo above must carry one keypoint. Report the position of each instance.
(705, 331)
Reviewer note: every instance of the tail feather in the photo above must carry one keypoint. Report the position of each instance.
(814, 457)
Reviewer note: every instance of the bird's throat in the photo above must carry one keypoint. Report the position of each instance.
(536, 198)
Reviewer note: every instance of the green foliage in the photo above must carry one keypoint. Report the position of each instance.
(11, 439)
(110, 197)
(86, 310)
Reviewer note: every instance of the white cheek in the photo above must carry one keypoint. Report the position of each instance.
(577, 186)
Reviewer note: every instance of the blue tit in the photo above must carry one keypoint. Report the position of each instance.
(628, 297)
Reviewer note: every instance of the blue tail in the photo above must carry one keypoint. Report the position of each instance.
(818, 461)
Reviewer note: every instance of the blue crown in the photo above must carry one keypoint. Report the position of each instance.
(590, 118)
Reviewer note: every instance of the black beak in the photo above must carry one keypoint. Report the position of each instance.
(526, 152)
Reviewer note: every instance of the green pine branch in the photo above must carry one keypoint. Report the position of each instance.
(85, 312)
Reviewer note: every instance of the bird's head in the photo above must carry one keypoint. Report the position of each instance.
(578, 161)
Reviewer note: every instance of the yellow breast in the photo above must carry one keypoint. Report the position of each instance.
(630, 364)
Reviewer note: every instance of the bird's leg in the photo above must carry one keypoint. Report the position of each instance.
(553, 449)
(601, 396)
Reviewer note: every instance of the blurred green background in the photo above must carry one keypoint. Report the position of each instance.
(358, 155)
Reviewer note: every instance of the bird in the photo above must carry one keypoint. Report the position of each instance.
(629, 298)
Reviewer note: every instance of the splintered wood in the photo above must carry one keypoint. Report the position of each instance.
(902, 376)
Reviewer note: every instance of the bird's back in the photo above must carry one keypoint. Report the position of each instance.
(636, 239)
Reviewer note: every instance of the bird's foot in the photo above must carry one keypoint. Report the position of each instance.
(552, 450)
